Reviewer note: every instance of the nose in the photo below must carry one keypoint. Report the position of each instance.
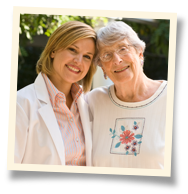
(116, 59)
(78, 59)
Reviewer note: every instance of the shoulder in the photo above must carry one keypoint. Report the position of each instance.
(26, 95)
(99, 91)
(97, 94)
(163, 87)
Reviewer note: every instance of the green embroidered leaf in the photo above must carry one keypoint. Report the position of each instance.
(135, 154)
(139, 142)
(135, 123)
(114, 131)
(113, 136)
(127, 153)
(110, 130)
(138, 136)
(118, 144)
(122, 128)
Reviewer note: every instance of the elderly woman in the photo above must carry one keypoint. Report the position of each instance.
(52, 123)
(129, 116)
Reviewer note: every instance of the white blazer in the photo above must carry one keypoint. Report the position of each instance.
(38, 138)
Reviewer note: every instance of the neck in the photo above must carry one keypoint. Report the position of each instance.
(136, 90)
(63, 87)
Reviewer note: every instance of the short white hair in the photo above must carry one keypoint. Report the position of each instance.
(117, 31)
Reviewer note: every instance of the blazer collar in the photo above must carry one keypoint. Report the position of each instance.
(41, 90)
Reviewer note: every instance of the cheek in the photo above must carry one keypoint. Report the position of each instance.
(87, 67)
(106, 66)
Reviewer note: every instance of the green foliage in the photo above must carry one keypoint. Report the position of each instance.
(38, 24)
(160, 37)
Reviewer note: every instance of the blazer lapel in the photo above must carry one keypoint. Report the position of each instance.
(48, 116)
(84, 115)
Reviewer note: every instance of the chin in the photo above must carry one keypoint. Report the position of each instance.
(123, 80)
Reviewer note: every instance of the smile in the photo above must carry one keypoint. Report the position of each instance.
(73, 69)
(121, 69)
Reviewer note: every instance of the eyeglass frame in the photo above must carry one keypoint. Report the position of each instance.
(117, 52)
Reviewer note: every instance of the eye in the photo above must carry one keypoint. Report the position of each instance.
(123, 49)
(72, 49)
(107, 55)
(87, 56)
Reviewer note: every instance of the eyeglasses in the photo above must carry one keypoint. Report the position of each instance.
(122, 51)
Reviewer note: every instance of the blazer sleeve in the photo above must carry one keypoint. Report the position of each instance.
(21, 133)
(85, 96)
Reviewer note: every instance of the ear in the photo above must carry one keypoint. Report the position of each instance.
(102, 69)
(141, 55)
(52, 54)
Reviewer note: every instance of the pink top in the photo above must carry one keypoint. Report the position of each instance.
(69, 123)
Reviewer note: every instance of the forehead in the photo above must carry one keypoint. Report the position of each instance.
(116, 45)
(86, 44)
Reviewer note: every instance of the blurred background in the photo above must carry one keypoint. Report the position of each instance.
(35, 29)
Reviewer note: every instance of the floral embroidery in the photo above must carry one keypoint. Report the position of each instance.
(126, 137)
(127, 147)
(130, 138)
(133, 149)
(135, 126)
(134, 143)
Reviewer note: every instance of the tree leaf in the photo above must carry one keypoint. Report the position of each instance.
(113, 136)
(110, 130)
(127, 153)
(135, 154)
(28, 35)
(138, 136)
(139, 142)
(118, 144)
(122, 128)
(47, 33)
(135, 122)
(114, 131)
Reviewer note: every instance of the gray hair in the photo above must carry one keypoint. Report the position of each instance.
(117, 31)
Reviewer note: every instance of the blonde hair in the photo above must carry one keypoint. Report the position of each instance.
(61, 38)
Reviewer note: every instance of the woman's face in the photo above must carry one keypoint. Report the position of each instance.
(72, 64)
(122, 68)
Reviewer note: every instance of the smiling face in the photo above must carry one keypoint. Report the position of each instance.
(72, 64)
(122, 68)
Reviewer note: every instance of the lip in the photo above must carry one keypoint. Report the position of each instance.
(121, 69)
(73, 68)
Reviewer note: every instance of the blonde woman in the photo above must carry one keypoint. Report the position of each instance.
(52, 124)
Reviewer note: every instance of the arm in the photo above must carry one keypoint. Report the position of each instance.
(21, 133)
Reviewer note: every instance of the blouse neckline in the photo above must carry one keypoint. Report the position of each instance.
(133, 105)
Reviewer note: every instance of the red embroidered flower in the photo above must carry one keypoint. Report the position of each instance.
(133, 149)
(126, 137)
(135, 127)
(127, 147)
(134, 143)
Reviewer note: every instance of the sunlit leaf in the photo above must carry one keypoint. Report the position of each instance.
(28, 35)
